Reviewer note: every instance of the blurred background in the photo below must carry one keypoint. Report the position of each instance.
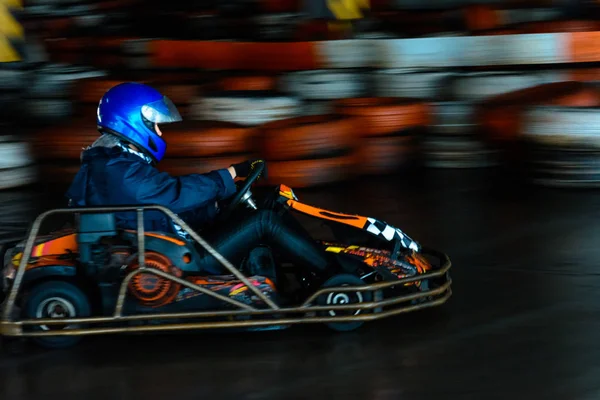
(324, 90)
(466, 123)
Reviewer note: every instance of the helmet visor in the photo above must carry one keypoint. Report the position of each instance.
(161, 112)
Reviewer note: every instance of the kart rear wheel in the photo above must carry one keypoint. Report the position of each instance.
(343, 298)
(56, 299)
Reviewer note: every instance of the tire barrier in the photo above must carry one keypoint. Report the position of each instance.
(248, 82)
(307, 137)
(568, 127)
(309, 150)
(57, 173)
(500, 117)
(454, 141)
(91, 91)
(49, 95)
(445, 81)
(564, 166)
(324, 84)
(388, 130)
(181, 94)
(13, 79)
(184, 166)
(377, 116)
(379, 155)
(64, 142)
(481, 85)
(67, 50)
(414, 83)
(17, 165)
(248, 108)
(19, 207)
(87, 95)
(312, 172)
(192, 139)
(276, 27)
(317, 107)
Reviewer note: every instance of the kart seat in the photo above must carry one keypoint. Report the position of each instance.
(92, 228)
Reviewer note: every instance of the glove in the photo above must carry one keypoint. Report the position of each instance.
(245, 168)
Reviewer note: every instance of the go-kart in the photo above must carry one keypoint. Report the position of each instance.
(97, 279)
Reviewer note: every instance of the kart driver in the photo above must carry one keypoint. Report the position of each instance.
(119, 169)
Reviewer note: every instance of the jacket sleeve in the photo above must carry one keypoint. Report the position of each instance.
(147, 185)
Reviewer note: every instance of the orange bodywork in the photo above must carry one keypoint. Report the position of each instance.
(60, 245)
(44, 261)
(356, 221)
(64, 244)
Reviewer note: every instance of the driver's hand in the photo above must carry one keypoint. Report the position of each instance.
(245, 168)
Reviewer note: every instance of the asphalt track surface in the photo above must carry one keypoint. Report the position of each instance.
(522, 323)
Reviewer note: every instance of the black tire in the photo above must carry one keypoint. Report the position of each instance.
(330, 299)
(67, 295)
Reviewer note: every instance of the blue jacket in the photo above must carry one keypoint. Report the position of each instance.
(112, 176)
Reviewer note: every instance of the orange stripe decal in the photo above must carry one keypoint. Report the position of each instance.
(356, 221)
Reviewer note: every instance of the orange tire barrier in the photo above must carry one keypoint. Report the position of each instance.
(253, 82)
(86, 113)
(308, 173)
(58, 172)
(185, 139)
(92, 90)
(501, 117)
(584, 74)
(179, 94)
(64, 142)
(378, 116)
(207, 139)
(184, 166)
(383, 155)
(307, 137)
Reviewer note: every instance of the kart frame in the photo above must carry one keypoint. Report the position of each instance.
(307, 312)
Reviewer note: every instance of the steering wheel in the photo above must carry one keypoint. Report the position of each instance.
(243, 193)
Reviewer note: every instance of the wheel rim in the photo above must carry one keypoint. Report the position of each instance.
(343, 298)
(54, 308)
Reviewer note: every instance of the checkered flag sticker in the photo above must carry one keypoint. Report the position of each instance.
(389, 233)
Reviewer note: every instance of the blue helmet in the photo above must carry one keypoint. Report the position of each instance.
(131, 110)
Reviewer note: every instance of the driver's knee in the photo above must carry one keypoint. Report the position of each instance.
(266, 217)
(268, 222)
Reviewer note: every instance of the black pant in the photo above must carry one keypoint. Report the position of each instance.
(263, 227)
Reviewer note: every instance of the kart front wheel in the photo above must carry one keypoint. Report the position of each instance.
(343, 298)
(56, 299)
